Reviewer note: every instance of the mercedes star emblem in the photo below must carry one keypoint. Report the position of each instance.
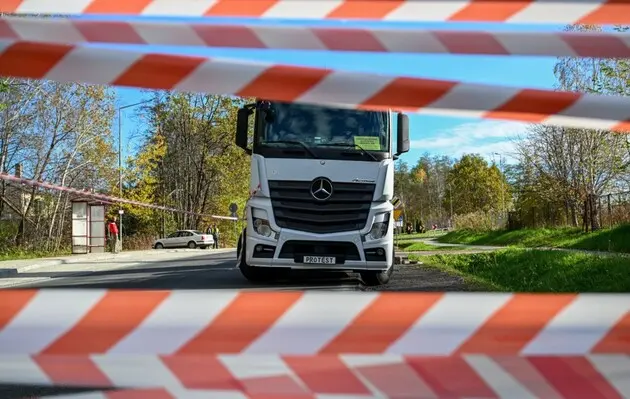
(321, 188)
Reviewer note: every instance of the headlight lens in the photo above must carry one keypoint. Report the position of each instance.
(379, 227)
(262, 227)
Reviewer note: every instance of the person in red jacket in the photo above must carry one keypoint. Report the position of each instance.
(112, 228)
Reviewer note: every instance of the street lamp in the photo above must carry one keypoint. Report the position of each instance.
(120, 187)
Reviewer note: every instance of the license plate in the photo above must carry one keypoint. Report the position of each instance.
(322, 260)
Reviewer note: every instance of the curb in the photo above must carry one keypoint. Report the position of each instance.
(13, 271)
(9, 272)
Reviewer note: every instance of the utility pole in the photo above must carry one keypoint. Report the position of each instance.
(450, 191)
(502, 185)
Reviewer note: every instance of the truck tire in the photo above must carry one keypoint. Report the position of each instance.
(252, 273)
(375, 278)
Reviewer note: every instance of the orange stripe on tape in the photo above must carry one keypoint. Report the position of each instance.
(31, 60)
(409, 94)
(158, 71)
(596, 45)
(117, 6)
(382, 323)
(617, 340)
(528, 375)
(622, 127)
(612, 12)
(242, 8)
(575, 377)
(275, 387)
(539, 104)
(108, 32)
(489, 11)
(483, 42)
(372, 9)
(451, 377)
(9, 6)
(201, 372)
(117, 314)
(396, 380)
(349, 40)
(284, 83)
(512, 327)
(12, 302)
(228, 36)
(244, 320)
(326, 374)
(72, 370)
(6, 32)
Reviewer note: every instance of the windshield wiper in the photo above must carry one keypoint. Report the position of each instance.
(301, 144)
(363, 151)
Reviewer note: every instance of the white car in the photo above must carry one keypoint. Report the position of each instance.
(185, 238)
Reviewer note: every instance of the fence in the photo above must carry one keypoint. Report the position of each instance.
(610, 210)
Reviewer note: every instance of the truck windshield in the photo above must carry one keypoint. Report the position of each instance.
(318, 127)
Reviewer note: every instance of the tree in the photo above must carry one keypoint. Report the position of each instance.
(189, 162)
(476, 186)
(57, 132)
(423, 188)
(571, 168)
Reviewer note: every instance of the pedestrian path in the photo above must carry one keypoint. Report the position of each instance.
(472, 249)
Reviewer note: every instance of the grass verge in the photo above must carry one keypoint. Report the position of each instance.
(415, 246)
(616, 239)
(18, 254)
(521, 270)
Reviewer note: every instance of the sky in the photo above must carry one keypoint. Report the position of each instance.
(437, 135)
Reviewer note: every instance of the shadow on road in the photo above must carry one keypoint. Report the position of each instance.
(196, 272)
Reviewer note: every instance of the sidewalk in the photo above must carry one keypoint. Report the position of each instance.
(11, 268)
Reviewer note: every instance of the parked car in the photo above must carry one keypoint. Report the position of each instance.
(185, 238)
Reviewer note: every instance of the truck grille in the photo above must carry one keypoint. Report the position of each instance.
(295, 208)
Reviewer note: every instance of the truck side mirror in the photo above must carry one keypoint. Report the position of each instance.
(242, 126)
(402, 135)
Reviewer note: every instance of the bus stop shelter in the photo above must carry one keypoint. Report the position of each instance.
(88, 226)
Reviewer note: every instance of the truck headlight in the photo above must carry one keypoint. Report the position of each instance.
(260, 223)
(379, 227)
(262, 227)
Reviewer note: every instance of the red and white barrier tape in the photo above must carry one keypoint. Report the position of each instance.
(508, 11)
(567, 44)
(67, 63)
(345, 376)
(96, 196)
(192, 323)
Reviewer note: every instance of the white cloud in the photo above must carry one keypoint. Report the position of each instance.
(484, 138)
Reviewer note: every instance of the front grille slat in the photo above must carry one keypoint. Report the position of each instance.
(295, 208)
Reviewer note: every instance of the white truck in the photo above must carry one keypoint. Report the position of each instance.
(322, 181)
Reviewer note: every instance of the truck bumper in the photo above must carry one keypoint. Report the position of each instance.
(352, 253)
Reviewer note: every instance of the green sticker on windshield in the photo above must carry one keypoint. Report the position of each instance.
(369, 143)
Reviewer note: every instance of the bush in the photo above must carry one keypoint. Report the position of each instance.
(479, 221)
(138, 242)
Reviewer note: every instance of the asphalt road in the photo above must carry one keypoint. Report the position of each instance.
(206, 270)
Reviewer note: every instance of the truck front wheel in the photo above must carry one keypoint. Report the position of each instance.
(252, 273)
(375, 278)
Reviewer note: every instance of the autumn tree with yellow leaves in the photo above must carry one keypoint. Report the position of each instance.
(189, 162)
